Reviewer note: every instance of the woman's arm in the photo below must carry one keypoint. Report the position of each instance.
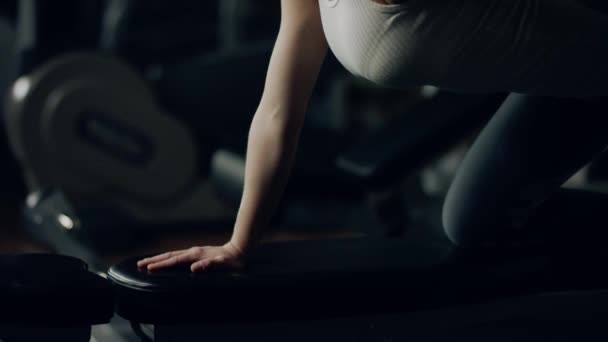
(275, 130)
(273, 136)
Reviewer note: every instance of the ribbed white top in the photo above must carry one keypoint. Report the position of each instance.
(548, 47)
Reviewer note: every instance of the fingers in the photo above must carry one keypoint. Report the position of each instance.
(207, 264)
(183, 258)
(147, 261)
(199, 258)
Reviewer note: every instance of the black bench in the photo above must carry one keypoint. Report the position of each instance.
(350, 283)
(364, 289)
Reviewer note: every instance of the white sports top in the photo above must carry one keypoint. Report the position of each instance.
(545, 47)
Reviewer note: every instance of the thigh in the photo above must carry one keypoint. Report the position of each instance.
(529, 148)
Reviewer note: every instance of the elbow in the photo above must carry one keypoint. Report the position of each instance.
(281, 126)
(282, 117)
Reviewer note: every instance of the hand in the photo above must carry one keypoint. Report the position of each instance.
(199, 258)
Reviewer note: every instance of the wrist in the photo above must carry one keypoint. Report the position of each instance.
(239, 249)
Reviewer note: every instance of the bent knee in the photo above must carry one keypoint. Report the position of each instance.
(456, 225)
(466, 226)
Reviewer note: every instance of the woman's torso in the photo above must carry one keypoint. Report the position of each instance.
(465, 45)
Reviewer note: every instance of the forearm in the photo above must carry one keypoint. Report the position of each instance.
(275, 130)
(272, 145)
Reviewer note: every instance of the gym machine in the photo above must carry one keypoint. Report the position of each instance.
(10, 174)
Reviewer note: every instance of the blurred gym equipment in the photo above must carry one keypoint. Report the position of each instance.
(46, 30)
(153, 33)
(10, 175)
(247, 21)
(104, 138)
(8, 9)
(104, 141)
(8, 57)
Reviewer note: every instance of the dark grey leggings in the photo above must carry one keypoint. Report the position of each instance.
(512, 175)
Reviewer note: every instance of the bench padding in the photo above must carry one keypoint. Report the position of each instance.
(340, 278)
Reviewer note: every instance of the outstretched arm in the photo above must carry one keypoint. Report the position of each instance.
(273, 137)
(275, 130)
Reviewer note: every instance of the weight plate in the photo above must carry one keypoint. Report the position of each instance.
(88, 123)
